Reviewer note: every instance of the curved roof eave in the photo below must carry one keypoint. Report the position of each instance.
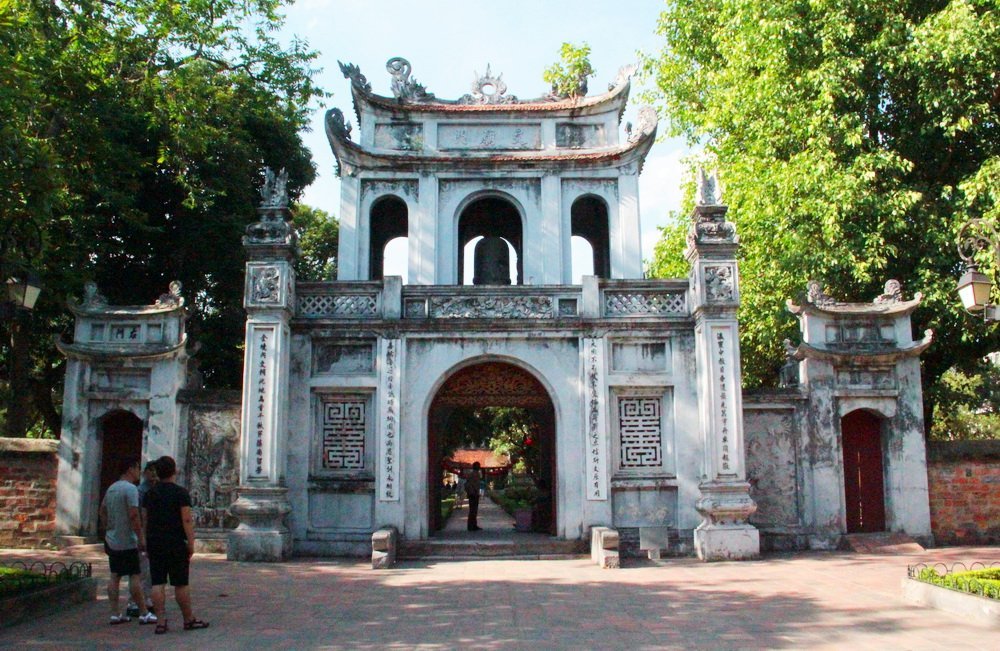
(891, 356)
(614, 99)
(352, 157)
(142, 352)
(896, 308)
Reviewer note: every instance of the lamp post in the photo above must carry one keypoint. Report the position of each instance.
(975, 287)
(21, 290)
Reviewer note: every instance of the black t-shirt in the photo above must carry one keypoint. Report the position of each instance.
(164, 526)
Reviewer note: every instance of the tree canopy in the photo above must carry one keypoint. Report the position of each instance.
(133, 136)
(569, 75)
(853, 139)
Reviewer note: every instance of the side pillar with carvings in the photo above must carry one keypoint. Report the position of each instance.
(262, 506)
(725, 503)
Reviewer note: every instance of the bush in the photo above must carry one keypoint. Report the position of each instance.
(985, 583)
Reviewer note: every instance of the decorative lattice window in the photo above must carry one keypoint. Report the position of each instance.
(643, 433)
(639, 427)
(343, 425)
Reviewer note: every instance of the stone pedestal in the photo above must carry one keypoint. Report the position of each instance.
(725, 535)
(261, 534)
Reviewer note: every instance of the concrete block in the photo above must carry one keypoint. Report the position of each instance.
(604, 547)
(385, 541)
(727, 542)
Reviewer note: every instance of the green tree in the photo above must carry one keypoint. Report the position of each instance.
(133, 136)
(318, 233)
(853, 139)
(967, 403)
(569, 75)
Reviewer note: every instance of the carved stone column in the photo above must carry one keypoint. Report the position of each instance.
(269, 301)
(725, 502)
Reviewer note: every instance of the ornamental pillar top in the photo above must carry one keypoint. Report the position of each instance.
(272, 236)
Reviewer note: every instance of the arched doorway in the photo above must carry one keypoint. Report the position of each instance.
(864, 491)
(494, 385)
(121, 437)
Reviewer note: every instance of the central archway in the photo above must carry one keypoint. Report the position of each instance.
(492, 384)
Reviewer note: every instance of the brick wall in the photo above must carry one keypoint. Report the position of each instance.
(964, 482)
(27, 492)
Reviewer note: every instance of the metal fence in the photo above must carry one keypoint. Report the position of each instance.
(28, 575)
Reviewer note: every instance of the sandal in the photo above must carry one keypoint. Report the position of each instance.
(161, 627)
(195, 624)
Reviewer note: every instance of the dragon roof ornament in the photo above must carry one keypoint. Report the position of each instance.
(403, 87)
(353, 73)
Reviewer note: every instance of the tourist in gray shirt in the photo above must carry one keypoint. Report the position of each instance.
(123, 528)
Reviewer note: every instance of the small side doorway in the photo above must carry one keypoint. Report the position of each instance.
(121, 437)
(864, 489)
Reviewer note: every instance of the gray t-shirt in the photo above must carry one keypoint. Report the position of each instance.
(120, 496)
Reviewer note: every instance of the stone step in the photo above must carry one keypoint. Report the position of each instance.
(882, 543)
(505, 549)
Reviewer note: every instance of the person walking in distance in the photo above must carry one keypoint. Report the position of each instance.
(169, 532)
(472, 492)
(123, 541)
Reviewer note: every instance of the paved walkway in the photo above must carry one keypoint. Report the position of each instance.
(492, 519)
(788, 601)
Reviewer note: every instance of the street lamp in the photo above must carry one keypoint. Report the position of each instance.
(975, 287)
(21, 242)
(22, 291)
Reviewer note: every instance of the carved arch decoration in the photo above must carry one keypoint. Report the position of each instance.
(493, 384)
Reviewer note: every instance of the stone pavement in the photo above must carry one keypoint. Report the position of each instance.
(788, 601)
(492, 519)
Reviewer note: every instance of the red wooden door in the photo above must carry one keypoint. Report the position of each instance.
(863, 487)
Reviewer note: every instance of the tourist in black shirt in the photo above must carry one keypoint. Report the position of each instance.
(169, 532)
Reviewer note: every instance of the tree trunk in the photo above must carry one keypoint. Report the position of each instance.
(20, 387)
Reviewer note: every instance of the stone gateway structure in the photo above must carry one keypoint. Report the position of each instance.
(350, 385)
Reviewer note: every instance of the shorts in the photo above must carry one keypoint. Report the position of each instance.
(169, 563)
(123, 562)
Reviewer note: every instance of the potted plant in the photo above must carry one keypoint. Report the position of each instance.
(520, 500)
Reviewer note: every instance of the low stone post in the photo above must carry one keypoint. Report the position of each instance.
(384, 543)
(604, 548)
(270, 302)
(725, 502)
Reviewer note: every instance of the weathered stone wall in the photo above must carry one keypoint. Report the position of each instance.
(27, 492)
(210, 422)
(964, 482)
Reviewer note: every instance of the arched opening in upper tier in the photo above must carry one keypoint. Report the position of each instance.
(498, 222)
(589, 220)
(387, 222)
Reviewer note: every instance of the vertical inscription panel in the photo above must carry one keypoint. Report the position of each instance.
(595, 419)
(389, 400)
(724, 400)
(258, 400)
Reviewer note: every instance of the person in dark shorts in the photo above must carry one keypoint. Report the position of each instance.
(123, 540)
(169, 532)
(472, 492)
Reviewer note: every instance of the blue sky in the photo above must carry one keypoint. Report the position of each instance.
(449, 41)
